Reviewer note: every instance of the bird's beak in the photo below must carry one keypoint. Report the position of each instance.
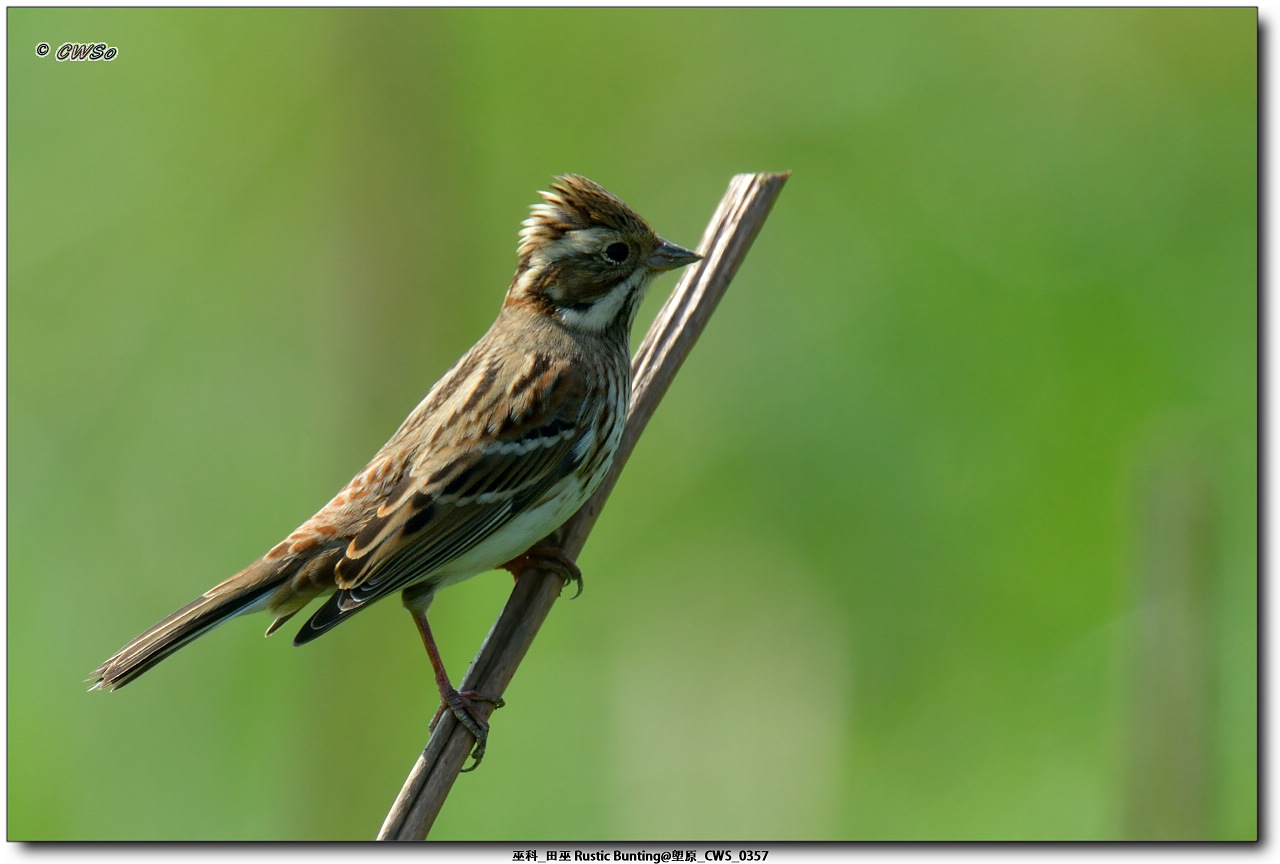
(669, 256)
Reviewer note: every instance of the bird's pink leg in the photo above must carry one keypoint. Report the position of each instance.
(458, 703)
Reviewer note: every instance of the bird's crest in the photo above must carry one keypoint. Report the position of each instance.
(573, 203)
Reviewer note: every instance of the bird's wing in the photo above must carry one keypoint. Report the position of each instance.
(466, 487)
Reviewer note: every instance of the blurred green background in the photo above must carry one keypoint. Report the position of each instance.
(947, 529)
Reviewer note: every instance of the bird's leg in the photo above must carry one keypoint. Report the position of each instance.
(544, 556)
(458, 703)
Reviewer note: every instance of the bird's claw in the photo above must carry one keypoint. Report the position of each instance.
(544, 556)
(459, 705)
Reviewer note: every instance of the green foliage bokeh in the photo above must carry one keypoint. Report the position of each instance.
(870, 573)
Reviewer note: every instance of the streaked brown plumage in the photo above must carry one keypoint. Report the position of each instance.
(504, 448)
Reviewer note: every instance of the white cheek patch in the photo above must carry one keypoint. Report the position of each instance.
(599, 315)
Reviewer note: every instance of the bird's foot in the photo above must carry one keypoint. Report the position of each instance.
(544, 556)
(459, 704)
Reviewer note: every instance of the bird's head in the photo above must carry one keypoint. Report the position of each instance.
(587, 258)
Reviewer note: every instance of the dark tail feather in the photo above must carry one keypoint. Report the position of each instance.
(330, 615)
(196, 618)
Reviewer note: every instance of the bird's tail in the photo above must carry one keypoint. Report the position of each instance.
(247, 591)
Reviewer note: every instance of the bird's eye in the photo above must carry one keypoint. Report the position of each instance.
(617, 252)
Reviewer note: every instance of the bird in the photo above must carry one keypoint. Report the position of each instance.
(506, 446)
